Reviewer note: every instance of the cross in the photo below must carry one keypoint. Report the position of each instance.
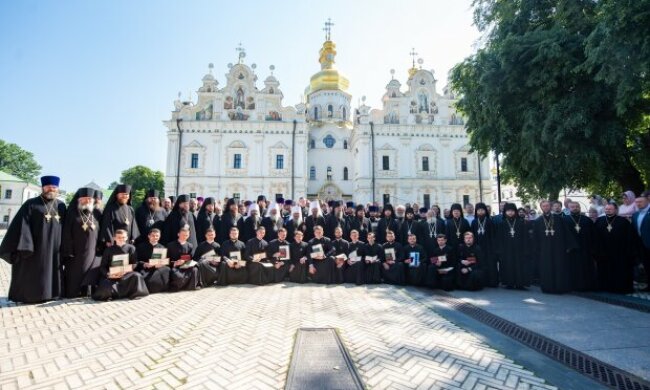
(413, 54)
(241, 52)
(328, 28)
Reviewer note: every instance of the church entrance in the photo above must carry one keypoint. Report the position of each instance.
(330, 191)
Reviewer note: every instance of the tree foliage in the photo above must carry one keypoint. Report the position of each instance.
(141, 179)
(532, 94)
(18, 162)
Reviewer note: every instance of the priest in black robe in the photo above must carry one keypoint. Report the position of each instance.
(184, 270)
(392, 265)
(128, 284)
(386, 223)
(315, 218)
(335, 219)
(512, 245)
(180, 218)
(321, 257)
(251, 223)
(118, 214)
(232, 271)
(484, 234)
(409, 226)
(551, 244)
(581, 260)
(295, 223)
(229, 219)
(259, 267)
(156, 277)
(415, 262)
(299, 252)
(32, 246)
(149, 215)
(360, 223)
(275, 255)
(456, 226)
(79, 244)
(272, 222)
(206, 218)
(373, 256)
(614, 237)
(430, 227)
(470, 267)
(354, 270)
(341, 250)
(443, 265)
(208, 257)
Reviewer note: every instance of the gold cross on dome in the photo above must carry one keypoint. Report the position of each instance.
(328, 29)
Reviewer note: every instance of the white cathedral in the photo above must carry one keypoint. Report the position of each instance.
(240, 141)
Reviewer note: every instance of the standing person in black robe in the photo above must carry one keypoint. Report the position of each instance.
(551, 243)
(79, 244)
(430, 227)
(273, 253)
(129, 284)
(415, 262)
(341, 251)
(484, 234)
(262, 203)
(231, 218)
(180, 218)
(208, 257)
(373, 219)
(400, 213)
(321, 257)
(456, 226)
(184, 271)
(354, 271)
(258, 266)
(299, 252)
(251, 223)
(512, 244)
(581, 260)
(470, 269)
(233, 272)
(272, 222)
(295, 223)
(614, 239)
(360, 223)
(314, 219)
(392, 266)
(206, 218)
(31, 245)
(387, 222)
(118, 214)
(155, 277)
(99, 202)
(149, 215)
(409, 226)
(443, 265)
(373, 255)
(335, 219)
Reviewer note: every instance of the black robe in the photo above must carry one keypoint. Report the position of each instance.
(228, 221)
(454, 230)
(176, 220)
(147, 220)
(473, 279)
(79, 251)
(272, 228)
(484, 235)
(114, 217)
(182, 278)
(31, 245)
(514, 252)
(355, 272)
(427, 233)
(581, 260)
(551, 250)
(332, 222)
(383, 225)
(249, 229)
(299, 272)
(280, 267)
(372, 271)
(435, 277)
(341, 247)
(615, 257)
(414, 273)
(208, 268)
(311, 223)
(205, 220)
(131, 285)
(395, 273)
(259, 272)
(362, 225)
(156, 279)
(325, 267)
(409, 226)
(292, 227)
(233, 275)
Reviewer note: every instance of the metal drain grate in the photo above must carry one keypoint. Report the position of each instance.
(585, 364)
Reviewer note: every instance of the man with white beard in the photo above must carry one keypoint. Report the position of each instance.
(336, 219)
(295, 223)
(251, 223)
(400, 214)
(272, 222)
(167, 205)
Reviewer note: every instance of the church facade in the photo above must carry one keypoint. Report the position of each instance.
(239, 141)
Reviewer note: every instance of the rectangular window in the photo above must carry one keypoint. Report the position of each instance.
(194, 163)
(385, 163)
(236, 195)
(279, 196)
(386, 198)
(8, 194)
(312, 173)
(237, 161)
(279, 161)
(463, 164)
(193, 195)
(465, 199)
(5, 219)
(425, 163)
(427, 200)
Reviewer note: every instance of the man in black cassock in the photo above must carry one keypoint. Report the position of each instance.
(387, 222)
(31, 245)
(118, 214)
(456, 226)
(155, 277)
(360, 223)
(552, 242)
(79, 244)
(443, 265)
(341, 250)
(353, 270)
(180, 218)
(280, 265)
(430, 227)
(184, 271)
(373, 255)
(321, 257)
(470, 257)
(259, 271)
(206, 218)
(299, 252)
(272, 222)
(231, 218)
(581, 259)
(295, 223)
(149, 215)
(392, 265)
(208, 255)
(233, 272)
(409, 226)
(315, 218)
(484, 234)
(415, 262)
(512, 246)
(615, 258)
(335, 219)
(252, 221)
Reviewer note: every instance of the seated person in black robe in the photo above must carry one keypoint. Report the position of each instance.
(124, 284)
(299, 252)
(354, 271)
(443, 265)
(393, 267)
(208, 257)
(321, 257)
(259, 267)
(277, 254)
(470, 272)
(341, 251)
(373, 255)
(156, 277)
(414, 257)
(233, 265)
(185, 274)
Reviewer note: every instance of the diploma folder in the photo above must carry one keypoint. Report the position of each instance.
(119, 265)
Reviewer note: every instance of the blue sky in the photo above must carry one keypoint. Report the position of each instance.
(85, 85)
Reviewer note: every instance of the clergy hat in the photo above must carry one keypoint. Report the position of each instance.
(231, 202)
(208, 200)
(373, 209)
(261, 197)
(409, 210)
(330, 203)
(288, 202)
(423, 210)
(279, 200)
(359, 207)
(456, 206)
(98, 195)
(50, 181)
(480, 205)
(182, 198)
(349, 204)
(85, 192)
(337, 203)
(152, 194)
(509, 206)
(122, 188)
(248, 203)
(200, 199)
(172, 199)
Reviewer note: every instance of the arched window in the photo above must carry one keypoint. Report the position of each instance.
(315, 113)
(312, 173)
(330, 111)
(345, 144)
(329, 173)
(345, 173)
(312, 143)
(345, 114)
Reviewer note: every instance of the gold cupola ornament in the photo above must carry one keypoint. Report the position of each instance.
(328, 78)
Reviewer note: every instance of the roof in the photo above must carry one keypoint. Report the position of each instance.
(4, 176)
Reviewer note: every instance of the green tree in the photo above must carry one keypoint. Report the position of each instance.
(141, 179)
(18, 162)
(528, 96)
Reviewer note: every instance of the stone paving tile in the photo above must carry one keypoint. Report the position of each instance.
(241, 338)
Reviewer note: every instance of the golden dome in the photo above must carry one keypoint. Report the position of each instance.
(328, 78)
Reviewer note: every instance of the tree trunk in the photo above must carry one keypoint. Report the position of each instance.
(630, 177)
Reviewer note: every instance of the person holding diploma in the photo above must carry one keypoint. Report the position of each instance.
(441, 272)
(155, 276)
(233, 266)
(208, 257)
(373, 255)
(392, 266)
(321, 257)
(259, 267)
(184, 275)
(299, 251)
(354, 271)
(470, 268)
(341, 251)
(279, 253)
(413, 256)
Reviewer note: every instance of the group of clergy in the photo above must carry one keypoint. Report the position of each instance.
(123, 252)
